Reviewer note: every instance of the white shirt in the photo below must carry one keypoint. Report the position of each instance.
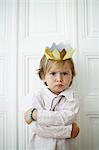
(55, 116)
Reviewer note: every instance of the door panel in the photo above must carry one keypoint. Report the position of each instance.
(88, 45)
(41, 22)
(8, 70)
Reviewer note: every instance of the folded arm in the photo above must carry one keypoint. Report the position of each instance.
(53, 131)
(59, 118)
(55, 118)
(70, 131)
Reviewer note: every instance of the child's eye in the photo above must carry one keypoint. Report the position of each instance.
(53, 73)
(64, 73)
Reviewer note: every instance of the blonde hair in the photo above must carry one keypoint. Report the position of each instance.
(45, 65)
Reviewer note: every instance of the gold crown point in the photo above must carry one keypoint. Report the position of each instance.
(62, 53)
(69, 54)
(56, 54)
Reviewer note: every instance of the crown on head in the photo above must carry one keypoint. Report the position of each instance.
(59, 52)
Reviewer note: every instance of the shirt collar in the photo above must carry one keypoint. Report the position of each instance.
(68, 93)
(49, 96)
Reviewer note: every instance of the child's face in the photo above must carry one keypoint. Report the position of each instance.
(59, 77)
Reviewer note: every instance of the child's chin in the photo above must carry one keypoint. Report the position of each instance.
(58, 92)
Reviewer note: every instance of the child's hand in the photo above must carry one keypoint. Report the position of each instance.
(27, 116)
(75, 130)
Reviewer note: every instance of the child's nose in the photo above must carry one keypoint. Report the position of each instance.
(59, 77)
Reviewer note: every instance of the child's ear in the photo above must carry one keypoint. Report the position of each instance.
(43, 78)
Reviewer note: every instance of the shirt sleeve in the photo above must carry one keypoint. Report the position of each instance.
(62, 117)
(54, 131)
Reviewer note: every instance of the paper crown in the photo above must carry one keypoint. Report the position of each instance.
(59, 52)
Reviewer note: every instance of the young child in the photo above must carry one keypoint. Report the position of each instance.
(55, 107)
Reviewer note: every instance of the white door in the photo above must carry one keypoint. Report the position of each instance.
(8, 71)
(41, 22)
(88, 46)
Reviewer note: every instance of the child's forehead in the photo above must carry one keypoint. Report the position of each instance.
(59, 66)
